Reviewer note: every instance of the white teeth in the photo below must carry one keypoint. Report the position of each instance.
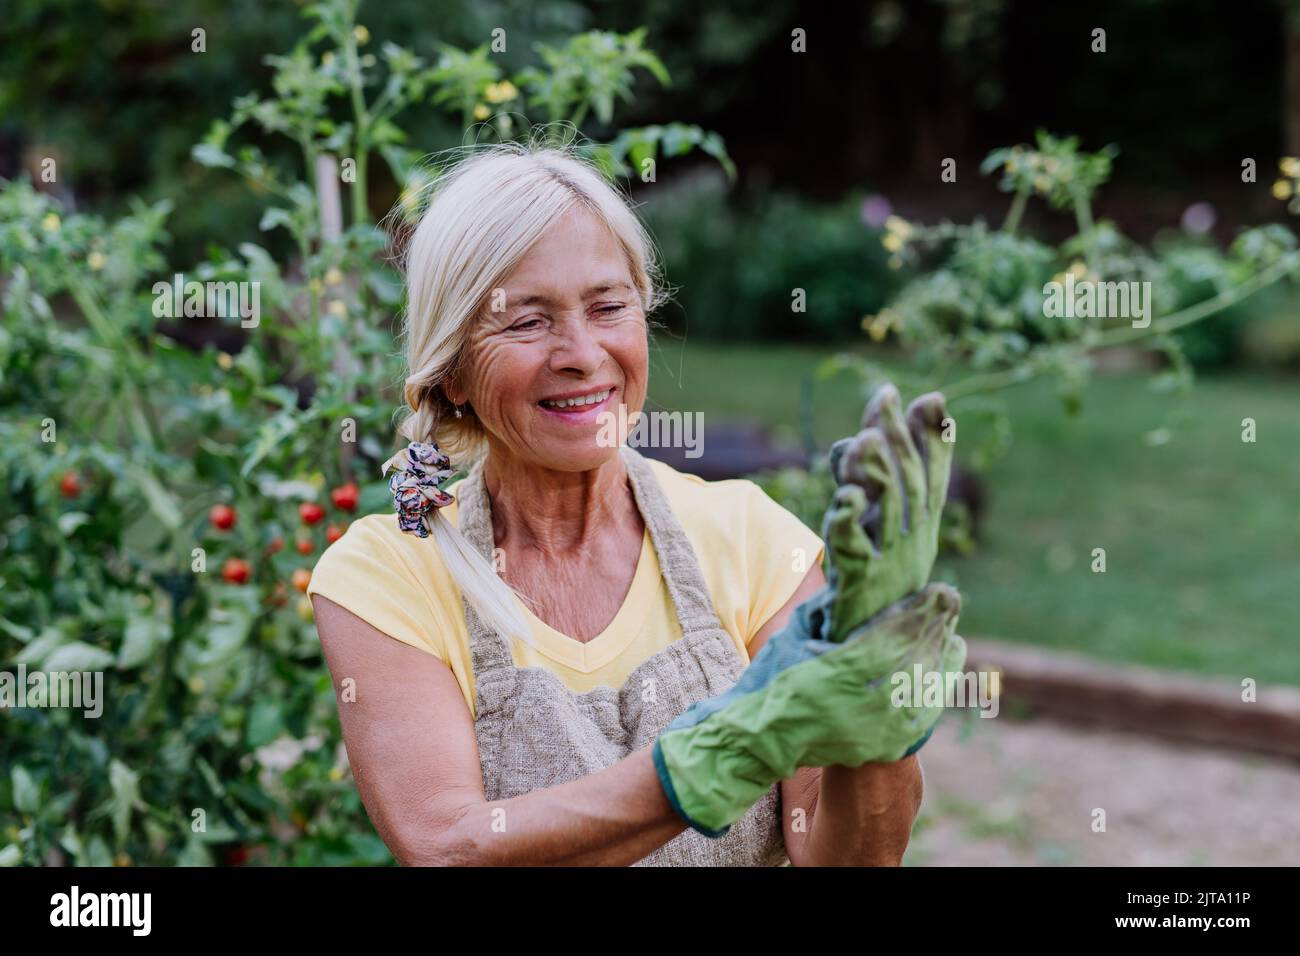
(595, 398)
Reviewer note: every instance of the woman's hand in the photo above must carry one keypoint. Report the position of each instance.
(818, 693)
(807, 702)
(882, 528)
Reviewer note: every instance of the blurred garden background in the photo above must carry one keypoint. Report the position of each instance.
(842, 195)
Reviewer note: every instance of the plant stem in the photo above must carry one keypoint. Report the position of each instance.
(142, 416)
(360, 208)
(1083, 213)
(1012, 222)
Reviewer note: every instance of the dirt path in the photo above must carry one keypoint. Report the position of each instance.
(1010, 793)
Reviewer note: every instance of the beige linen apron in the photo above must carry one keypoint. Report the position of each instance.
(534, 732)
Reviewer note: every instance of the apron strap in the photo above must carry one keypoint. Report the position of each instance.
(677, 562)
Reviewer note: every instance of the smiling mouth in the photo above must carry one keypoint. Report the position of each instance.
(578, 403)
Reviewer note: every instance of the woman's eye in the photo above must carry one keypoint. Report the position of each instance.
(606, 309)
(524, 325)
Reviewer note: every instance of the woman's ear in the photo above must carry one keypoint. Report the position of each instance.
(452, 391)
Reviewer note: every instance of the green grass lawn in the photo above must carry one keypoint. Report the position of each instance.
(1201, 533)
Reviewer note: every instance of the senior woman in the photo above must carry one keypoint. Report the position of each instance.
(542, 663)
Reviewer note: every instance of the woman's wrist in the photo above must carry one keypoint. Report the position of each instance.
(864, 814)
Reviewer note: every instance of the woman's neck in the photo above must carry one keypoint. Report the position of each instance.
(556, 512)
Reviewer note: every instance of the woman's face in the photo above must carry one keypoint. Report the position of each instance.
(567, 323)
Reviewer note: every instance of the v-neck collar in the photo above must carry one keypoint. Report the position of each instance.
(594, 654)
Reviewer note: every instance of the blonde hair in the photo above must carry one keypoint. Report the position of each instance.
(484, 213)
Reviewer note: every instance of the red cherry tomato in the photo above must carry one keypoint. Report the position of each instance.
(333, 533)
(301, 578)
(305, 546)
(276, 545)
(235, 570)
(222, 517)
(310, 512)
(70, 484)
(345, 497)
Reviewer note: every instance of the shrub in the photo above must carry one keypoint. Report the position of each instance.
(735, 264)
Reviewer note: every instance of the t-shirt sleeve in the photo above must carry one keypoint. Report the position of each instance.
(362, 573)
(780, 551)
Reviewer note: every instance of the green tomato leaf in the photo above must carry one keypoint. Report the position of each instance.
(144, 635)
(264, 723)
(27, 793)
(77, 656)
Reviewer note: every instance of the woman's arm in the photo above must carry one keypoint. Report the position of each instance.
(865, 815)
(411, 743)
(844, 816)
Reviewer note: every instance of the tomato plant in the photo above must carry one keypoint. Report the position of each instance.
(150, 487)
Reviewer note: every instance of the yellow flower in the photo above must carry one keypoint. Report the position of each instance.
(500, 92)
(1282, 189)
(336, 773)
(315, 286)
(899, 226)
(1290, 166)
(196, 685)
(51, 222)
(1078, 268)
(338, 308)
(481, 112)
(224, 360)
(96, 260)
(362, 35)
(892, 241)
(327, 58)
(333, 277)
(881, 324)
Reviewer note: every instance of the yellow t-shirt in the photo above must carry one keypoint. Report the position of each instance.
(753, 554)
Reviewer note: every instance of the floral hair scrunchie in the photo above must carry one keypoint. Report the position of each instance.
(421, 468)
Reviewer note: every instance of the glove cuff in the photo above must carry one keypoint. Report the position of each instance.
(666, 781)
(920, 743)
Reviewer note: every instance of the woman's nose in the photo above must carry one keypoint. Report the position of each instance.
(575, 347)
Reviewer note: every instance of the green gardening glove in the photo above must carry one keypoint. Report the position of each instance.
(808, 702)
(893, 479)
(818, 693)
